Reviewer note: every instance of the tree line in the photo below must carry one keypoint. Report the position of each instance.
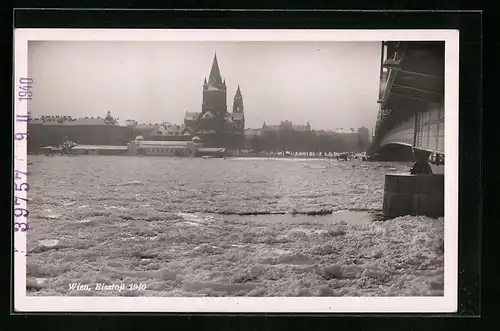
(307, 141)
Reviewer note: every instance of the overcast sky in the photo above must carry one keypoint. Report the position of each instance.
(330, 84)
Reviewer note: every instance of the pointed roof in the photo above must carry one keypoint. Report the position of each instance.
(205, 81)
(229, 123)
(215, 76)
(208, 115)
(238, 92)
(187, 131)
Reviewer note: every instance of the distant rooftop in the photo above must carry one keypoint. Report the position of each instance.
(252, 132)
(211, 149)
(168, 130)
(286, 125)
(342, 130)
(68, 120)
(99, 147)
(162, 143)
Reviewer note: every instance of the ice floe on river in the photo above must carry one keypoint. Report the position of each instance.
(182, 231)
(215, 257)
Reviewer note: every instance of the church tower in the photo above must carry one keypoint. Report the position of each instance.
(238, 114)
(238, 102)
(214, 93)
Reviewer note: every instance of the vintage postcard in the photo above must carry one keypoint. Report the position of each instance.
(235, 170)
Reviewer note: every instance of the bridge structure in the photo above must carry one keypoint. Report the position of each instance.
(411, 101)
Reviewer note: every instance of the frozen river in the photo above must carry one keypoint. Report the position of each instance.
(215, 227)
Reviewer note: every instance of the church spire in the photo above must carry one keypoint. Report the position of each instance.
(215, 76)
(238, 101)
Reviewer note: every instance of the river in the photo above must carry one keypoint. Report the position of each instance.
(224, 227)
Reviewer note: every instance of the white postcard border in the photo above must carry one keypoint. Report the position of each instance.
(446, 303)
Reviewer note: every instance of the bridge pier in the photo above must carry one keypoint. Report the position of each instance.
(404, 153)
(395, 152)
(407, 194)
(421, 154)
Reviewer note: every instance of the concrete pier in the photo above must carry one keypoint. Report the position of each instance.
(407, 194)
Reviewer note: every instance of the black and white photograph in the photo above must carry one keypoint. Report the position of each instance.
(252, 168)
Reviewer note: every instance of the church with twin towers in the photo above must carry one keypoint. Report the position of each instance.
(214, 117)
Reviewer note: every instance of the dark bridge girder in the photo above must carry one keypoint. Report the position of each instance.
(400, 152)
(411, 79)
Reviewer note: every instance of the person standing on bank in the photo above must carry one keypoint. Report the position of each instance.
(421, 166)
